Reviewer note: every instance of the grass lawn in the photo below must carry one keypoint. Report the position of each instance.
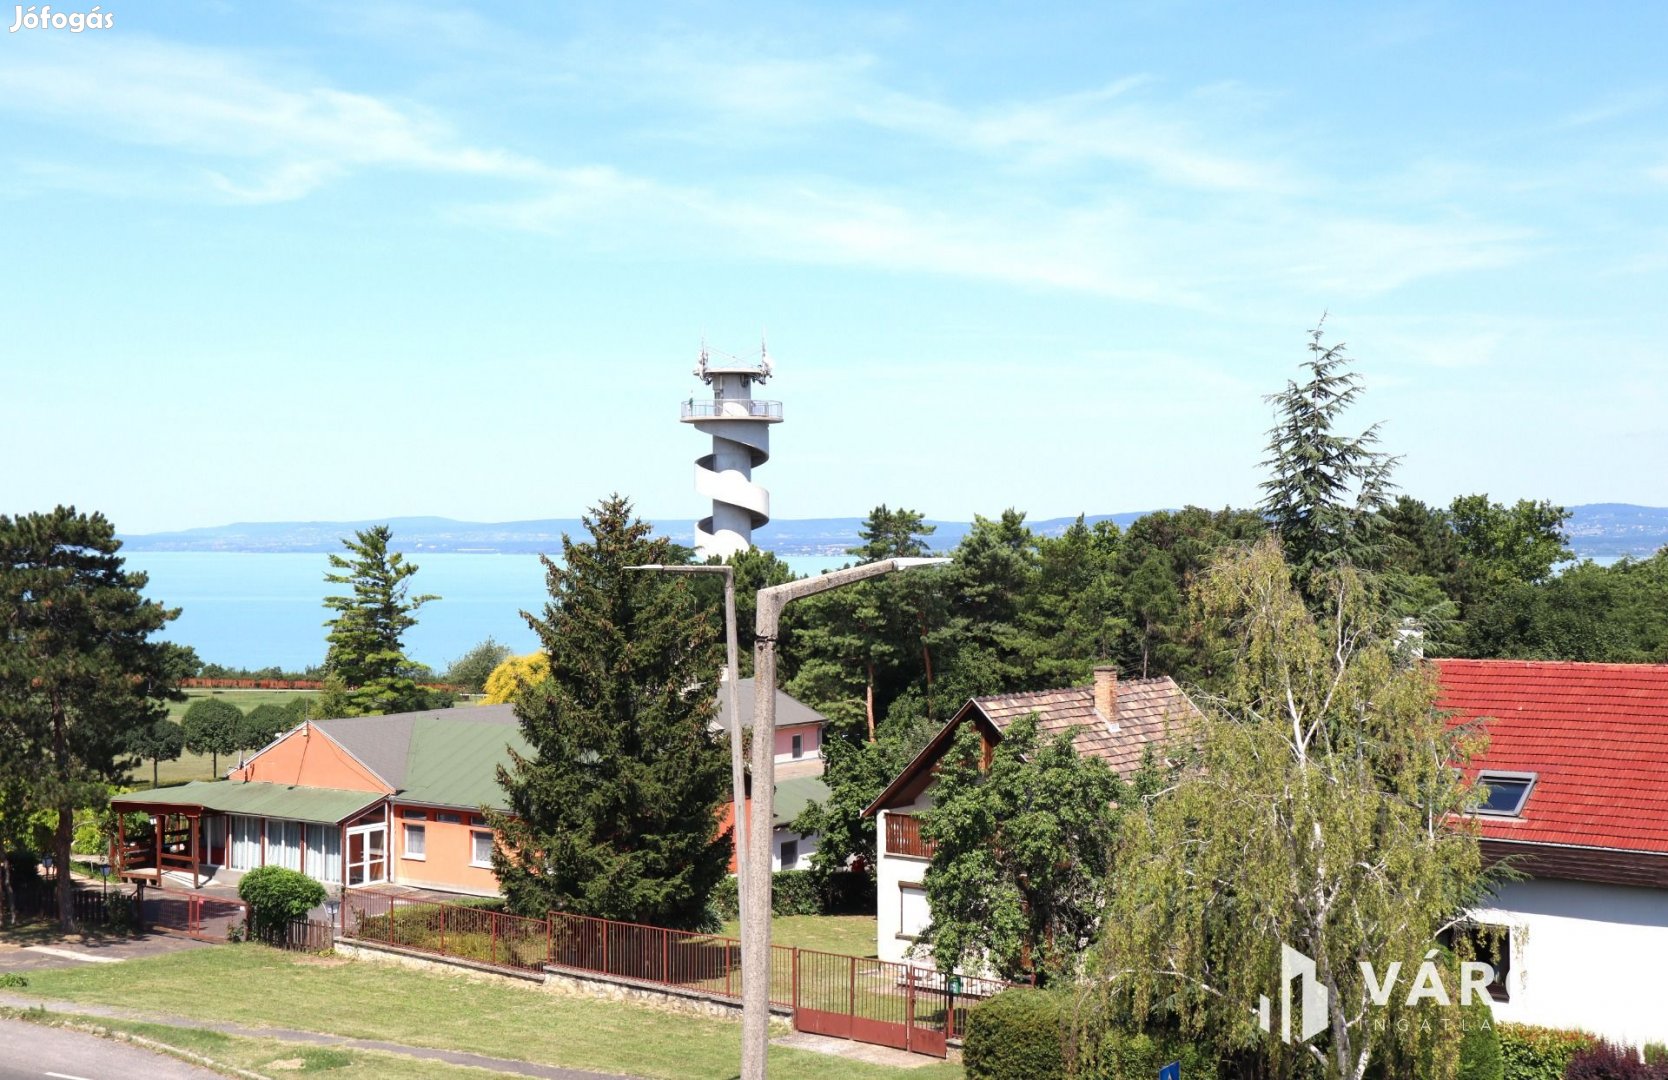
(198, 766)
(253, 985)
(851, 935)
(271, 1056)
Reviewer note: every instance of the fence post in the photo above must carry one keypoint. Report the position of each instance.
(851, 991)
(793, 992)
(494, 937)
(606, 951)
(442, 929)
(909, 1010)
(550, 937)
(666, 957)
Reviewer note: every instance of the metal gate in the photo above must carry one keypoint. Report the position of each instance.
(873, 1001)
(194, 914)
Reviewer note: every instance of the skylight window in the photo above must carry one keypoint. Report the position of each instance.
(1506, 793)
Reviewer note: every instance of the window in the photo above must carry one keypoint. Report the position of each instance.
(415, 837)
(1490, 944)
(448, 819)
(283, 844)
(914, 915)
(324, 853)
(417, 815)
(790, 854)
(480, 849)
(1506, 793)
(798, 747)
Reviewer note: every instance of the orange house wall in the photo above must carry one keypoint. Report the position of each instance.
(446, 849)
(307, 757)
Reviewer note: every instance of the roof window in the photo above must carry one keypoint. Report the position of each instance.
(1506, 792)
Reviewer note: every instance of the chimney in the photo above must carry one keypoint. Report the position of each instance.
(1106, 694)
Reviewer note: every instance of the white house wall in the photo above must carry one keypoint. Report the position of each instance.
(807, 847)
(1585, 956)
(892, 873)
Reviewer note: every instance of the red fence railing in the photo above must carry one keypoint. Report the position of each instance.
(654, 954)
(469, 933)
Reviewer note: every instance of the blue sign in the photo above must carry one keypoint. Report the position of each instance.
(1171, 1071)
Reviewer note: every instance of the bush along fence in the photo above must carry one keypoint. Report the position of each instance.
(902, 1005)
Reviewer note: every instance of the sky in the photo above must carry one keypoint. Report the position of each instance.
(298, 261)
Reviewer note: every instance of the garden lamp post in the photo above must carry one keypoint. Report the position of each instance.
(732, 674)
(755, 872)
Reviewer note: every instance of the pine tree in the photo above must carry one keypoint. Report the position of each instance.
(79, 673)
(614, 813)
(1325, 491)
(366, 654)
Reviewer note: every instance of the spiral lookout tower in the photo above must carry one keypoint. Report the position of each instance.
(740, 428)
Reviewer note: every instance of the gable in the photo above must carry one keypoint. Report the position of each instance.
(308, 757)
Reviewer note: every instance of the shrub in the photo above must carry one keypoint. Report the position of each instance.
(276, 896)
(1479, 1049)
(1016, 1035)
(1538, 1053)
(1607, 1061)
(1656, 1053)
(724, 900)
(794, 892)
(13, 980)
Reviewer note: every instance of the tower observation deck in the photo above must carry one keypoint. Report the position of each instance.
(739, 425)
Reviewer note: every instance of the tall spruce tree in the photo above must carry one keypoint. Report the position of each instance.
(366, 669)
(79, 673)
(615, 812)
(1326, 492)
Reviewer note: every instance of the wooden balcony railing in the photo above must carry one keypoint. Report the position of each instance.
(903, 836)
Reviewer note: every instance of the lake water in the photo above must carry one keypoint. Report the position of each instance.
(259, 610)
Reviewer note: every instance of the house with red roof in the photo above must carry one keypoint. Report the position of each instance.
(1114, 721)
(1576, 773)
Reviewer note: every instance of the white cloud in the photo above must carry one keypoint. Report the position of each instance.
(296, 129)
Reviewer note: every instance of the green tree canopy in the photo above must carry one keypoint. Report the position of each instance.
(79, 671)
(470, 670)
(366, 654)
(213, 726)
(1021, 854)
(614, 814)
(161, 740)
(262, 724)
(1325, 490)
(1321, 816)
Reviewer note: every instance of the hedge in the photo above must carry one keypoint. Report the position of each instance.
(1538, 1053)
(1016, 1035)
(798, 892)
(276, 896)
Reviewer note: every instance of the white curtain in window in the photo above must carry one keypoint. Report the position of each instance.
(246, 843)
(324, 853)
(283, 844)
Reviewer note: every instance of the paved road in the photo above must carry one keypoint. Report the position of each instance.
(34, 1052)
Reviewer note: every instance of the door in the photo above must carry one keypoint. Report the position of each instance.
(367, 854)
(214, 839)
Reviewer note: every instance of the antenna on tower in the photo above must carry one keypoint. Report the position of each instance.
(765, 366)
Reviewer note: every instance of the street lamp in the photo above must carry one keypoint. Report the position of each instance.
(731, 676)
(755, 871)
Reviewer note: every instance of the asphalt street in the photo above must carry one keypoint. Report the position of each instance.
(34, 1052)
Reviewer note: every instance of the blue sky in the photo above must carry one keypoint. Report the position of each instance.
(277, 261)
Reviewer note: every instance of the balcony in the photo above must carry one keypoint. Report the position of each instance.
(903, 836)
(732, 409)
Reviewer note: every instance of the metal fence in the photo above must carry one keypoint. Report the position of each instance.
(468, 933)
(654, 954)
(299, 935)
(870, 1000)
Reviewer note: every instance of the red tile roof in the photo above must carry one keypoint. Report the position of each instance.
(1597, 735)
(1149, 710)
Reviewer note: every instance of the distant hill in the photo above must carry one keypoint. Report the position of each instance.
(1597, 531)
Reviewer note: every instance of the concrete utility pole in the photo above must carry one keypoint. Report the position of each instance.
(755, 873)
(740, 430)
(732, 675)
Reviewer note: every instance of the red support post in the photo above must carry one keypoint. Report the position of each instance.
(851, 992)
(442, 929)
(606, 926)
(793, 992)
(494, 938)
(728, 968)
(665, 956)
(909, 1010)
(550, 937)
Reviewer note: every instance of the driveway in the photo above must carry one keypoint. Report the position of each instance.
(75, 951)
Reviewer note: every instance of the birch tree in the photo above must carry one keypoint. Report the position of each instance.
(1322, 816)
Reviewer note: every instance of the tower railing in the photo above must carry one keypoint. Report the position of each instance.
(731, 408)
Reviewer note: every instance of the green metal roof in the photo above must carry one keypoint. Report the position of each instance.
(793, 795)
(454, 762)
(324, 805)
